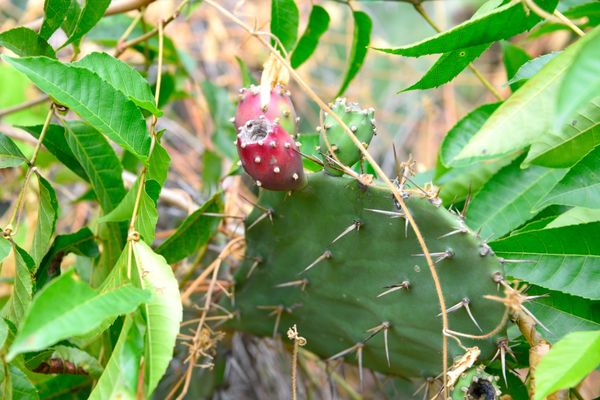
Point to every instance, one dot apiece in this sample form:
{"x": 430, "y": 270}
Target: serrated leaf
{"x": 565, "y": 259}
{"x": 514, "y": 58}
{"x": 89, "y": 16}
{"x": 10, "y": 155}
{"x": 523, "y": 117}
{"x": 56, "y": 143}
{"x": 447, "y": 67}
{"x": 576, "y": 216}
{"x": 496, "y": 24}
{"x": 193, "y": 232}
{"x": 123, "y": 78}
{"x": 530, "y": 68}
{"x": 563, "y": 313}
{"x": 55, "y": 12}
{"x": 25, "y": 42}
{"x": 580, "y": 186}
{"x": 99, "y": 161}
{"x": 463, "y": 131}
{"x": 284, "y": 22}
{"x": 19, "y": 301}
{"x": 567, "y": 363}
{"x": 47, "y": 215}
{"x": 163, "y": 312}
{"x": 582, "y": 81}
{"x": 68, "y": 307}
{"x": 107, "y": 110}
{"x": 158, "y": 166}
{"x": 496, "y": 215}
{"x": 318, "y": 23}
{"x": 82, "y": 243}
{"x": 572, "y": 143}
{"x": 120, "y": 377}
{"x": 360, "y": 42}
{"x": 147, "y": 216}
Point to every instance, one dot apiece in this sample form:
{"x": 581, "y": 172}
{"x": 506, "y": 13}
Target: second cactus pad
{"x": 335, "y": 143}
{"x": 336, "y": 258}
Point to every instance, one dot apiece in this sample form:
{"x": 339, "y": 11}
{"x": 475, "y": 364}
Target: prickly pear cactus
{"x": 476, "y": 384}
{"x": 278, "y": 109}
{"x": 337, "y": 259}
{"x": 336, "y": 144}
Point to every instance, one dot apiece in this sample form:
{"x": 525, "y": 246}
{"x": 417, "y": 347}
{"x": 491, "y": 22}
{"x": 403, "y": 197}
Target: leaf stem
{"x": 421, "y": 10}
{"x": 13, "y": 222}
{"x": 311, "y": 93}
{"x": 556, "y": 17}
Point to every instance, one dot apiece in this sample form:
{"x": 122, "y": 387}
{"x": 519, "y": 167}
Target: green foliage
{"x": 10, "y": 155}
{"x": 567, "y": 363}
{"x": 55, "y": 12}
{"x": 530, "y": 68}
{"x": 284, "y": 22}
{"x": 48, "y": 213}
{"x": 514, "y": 58}
{"x": 360, "y": 41}
{"x": 25, "y": 42}
{"x": 19, "y": 302}
{"x": 318, "y": 22}
{"x": 86, "y": 19}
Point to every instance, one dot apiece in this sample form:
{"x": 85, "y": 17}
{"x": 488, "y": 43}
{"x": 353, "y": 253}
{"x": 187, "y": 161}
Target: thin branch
{"x": 23, "y": 106}
{"x": 311, "y": 93}
{"x": 475, "y": 71}
{"x": 557, "y": 17}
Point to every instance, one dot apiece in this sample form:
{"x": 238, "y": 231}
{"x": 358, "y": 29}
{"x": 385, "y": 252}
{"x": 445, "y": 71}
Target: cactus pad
{"x": 337, "y": 259}
{"x": 476, "y": 384}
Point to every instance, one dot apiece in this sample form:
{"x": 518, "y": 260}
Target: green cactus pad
{"x": 360, "y": 121}
{"x": 339, "y": 302}
{"x": 476, "y": 384}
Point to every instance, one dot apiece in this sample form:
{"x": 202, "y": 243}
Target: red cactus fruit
{"x": 269, "y": 155}
{"x": 280, "y": 108}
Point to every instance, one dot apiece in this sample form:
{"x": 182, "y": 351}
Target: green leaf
{"x": 360, "y": 41}
{"x": 565, "y": 259}
{"x": 221, "y": 110}
{"x": 194, "y": 232}
{"x": 25, "y": 42}
{"x": 100, "y": 163}
{"x": 68, "y": 307}
{"x": 55, "y": 142}
{"x": 572, "y": 143}
{"x": 70, "y": 22}
{"x": 580, "y": 186}
{"x": 582, "y": 81}
{"x": 3, "y": 332}
{"x": 82, "y": 243}
{"x": 20, "y": 299}
{"x": 576, "y": 216}
{"x": 530, "y": 68}
{"x": 567, "y": 363}
{"x": 147, "y": 217}
{"x": 563, "y": 313}
{"x": 247, "y": 78}
{"x": 5, "y": 248}
{"x": 463, "y": 131}
{"x": 10, "y": 155}
{"x": 20, "y": 386}
{"x": 55, "y": 12}
{"x": 505, "y": 201}
{"x": 318, "y": 23}
{"x": 499, "y": 23}
{"x": 447, "y": 67}
{"x": 91, "y": 13}
{"x": 107, "y": 110}
{"x": 61, "y": 386}
{"x": 120, "y": 377}
{"x": 158, "y": 166}
{"x": 163, "y": 312}
{"x": 523, "y": 117}
{"x": 123, "y": 78}
{"x": 514, "y": 57}
{"x": 47, "y": 215}
{"x": 284, "y": 22}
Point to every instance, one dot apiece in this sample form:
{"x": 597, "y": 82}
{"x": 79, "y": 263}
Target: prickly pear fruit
{"x": 475, "y": 384}
{"x": 280, "y": 107}
{"x": 360, "y": 121}
{"x": 270, "y": 155}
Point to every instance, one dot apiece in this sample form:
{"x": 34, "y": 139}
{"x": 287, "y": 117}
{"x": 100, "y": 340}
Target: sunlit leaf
{"x": 360, "y": 41}
{"x": 89, "y": 16}
{"x": 318, "y": 22}
{"x": 514, "y": 57}
{"x": 47, "y": 215}
{"x": 10, "y": 155}
{"x": 530, "y": 68}
{"x": 284, "y": 22}
{"x": 55, "y": 12}
{"x": 25, "y": 42}
{"x": 19, "y": 301}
